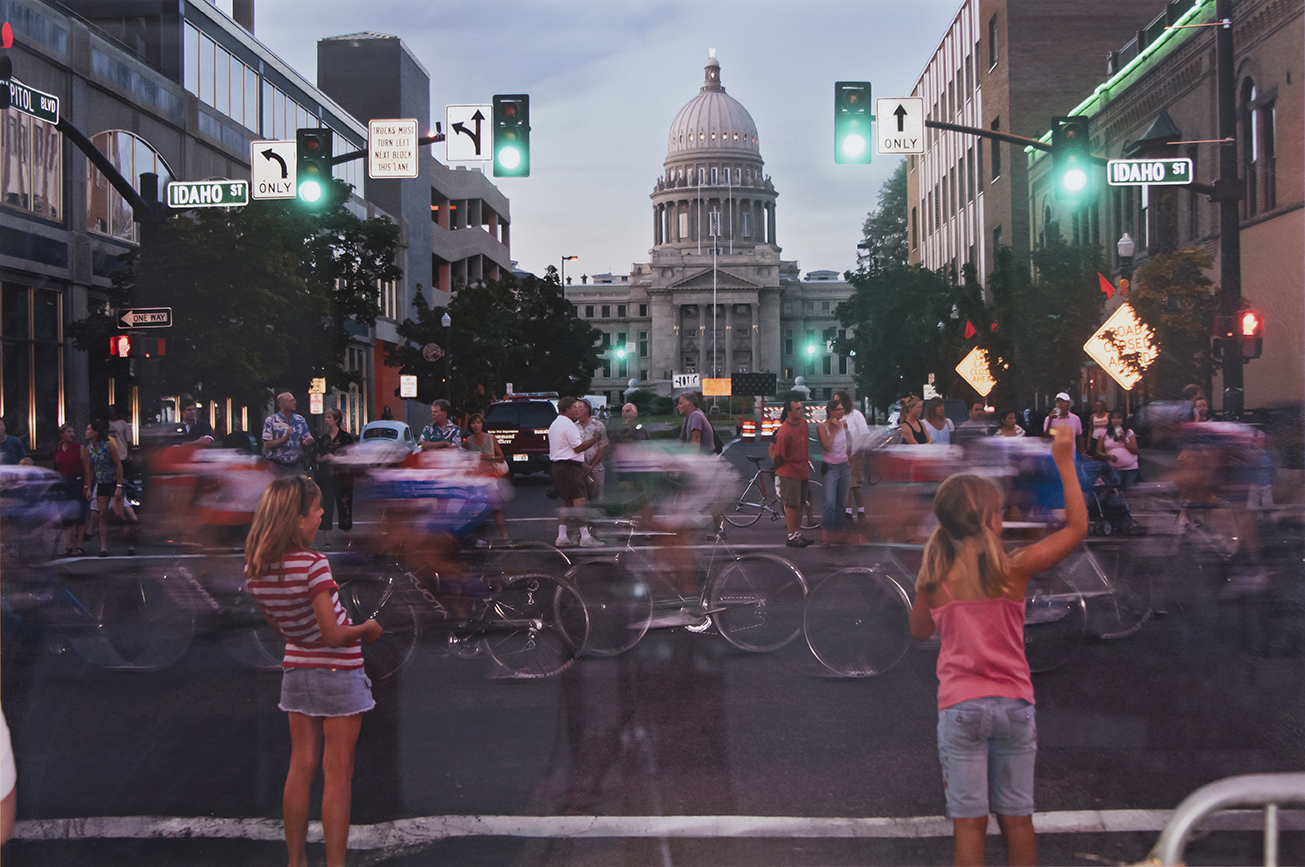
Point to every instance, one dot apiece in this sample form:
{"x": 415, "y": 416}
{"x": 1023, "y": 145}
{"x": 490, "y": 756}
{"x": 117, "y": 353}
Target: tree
{"x": 513, "y": 330}
{"x": 263, "y": 297}
{"x": 884, "y": 239}
{"x": 1174, "y": 297}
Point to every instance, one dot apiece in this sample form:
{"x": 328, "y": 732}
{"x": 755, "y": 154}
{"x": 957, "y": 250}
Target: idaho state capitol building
{"x": 714, "y": 227}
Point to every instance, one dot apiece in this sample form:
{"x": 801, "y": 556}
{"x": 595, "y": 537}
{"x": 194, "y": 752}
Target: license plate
{"x": 521, "y": 457}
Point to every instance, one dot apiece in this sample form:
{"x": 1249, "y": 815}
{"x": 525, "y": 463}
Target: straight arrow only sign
{"x": 899, "y": 125}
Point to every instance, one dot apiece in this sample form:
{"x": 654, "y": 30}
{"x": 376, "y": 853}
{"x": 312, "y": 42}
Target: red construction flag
{"x": 1106, "y": 286}
{"x": 993, "y": 328}
{"x": 970, "y": 330}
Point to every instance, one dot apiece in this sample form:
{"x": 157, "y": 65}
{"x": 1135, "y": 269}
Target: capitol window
{"x": 714, "y": 176}
{"x": 746, "y": 227}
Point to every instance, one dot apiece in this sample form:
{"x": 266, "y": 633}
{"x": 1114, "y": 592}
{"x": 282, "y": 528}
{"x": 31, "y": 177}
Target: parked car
{"x": 385, "y": 442}
{"x": 520, "y": 424}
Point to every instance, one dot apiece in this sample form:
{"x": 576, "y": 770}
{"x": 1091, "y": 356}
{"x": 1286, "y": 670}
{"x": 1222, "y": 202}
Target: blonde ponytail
{"x": 963, "y": 505}
{"x": 275, "y": 528}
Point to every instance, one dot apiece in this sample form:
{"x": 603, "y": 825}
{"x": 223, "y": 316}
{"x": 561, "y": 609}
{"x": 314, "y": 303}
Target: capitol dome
{"x": 713, "y": 120}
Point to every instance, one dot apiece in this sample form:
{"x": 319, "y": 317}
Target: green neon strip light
{"x": 1165, "y": 38}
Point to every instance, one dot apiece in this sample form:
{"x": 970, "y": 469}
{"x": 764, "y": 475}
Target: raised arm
{"x": 1045, "y": 553}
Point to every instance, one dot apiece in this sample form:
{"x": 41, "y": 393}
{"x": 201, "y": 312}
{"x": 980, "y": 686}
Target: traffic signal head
{"x": 852, "y": 135}
{"x": 120, "y": 346}
{"x": 314, "y": 150}
{"x": 1071, "y": 159}
{"x": 511, "y": 135}
{"x": 1251, "y": 327}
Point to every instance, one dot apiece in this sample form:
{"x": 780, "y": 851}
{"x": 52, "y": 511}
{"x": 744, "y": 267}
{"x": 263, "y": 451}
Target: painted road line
{"x": 426, "y": 829}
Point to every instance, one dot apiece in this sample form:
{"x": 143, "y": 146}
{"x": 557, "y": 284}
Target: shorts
{"x": 569, "y": 479}
{"x": 106, "y": 489}
{"x": 987, "y": 748}
{"x": 326, "y": 691}
{"x": 857, "y": 462}
{"x": 792, "y": 492}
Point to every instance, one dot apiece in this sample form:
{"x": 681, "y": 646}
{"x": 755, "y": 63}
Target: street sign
{"x": 752, "y": 383}
{"x": 1137, "y": 173}
{"x": 392, "y": 148}
{"x": 145, "y": 317}
{"x": 432, "y": 352}
{"x": 29, "y": 100}
{"x": 716, "y": 387}
{"x": 899, "y": 125}
{"x": 1123, "y": 334}
{"x": 273, "y": 169}
{"x": 974, "y": 370}
{"x": 184, "y": 195}
{"x": 316, "y": 404}
{"x": 470, "y": 135}
{"x": 407, "y": 385}
{"x": 685, "y": 380}
{"x": 317, "y": 385}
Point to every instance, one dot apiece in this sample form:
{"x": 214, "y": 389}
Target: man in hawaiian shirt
{"x": 440, "y": 433}
{"x": 285, "y": 434}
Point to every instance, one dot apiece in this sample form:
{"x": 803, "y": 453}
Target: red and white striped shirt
{"x": 285, "y": 591}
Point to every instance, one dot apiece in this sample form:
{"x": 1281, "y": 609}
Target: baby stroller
{"x": 1108, "y": 511}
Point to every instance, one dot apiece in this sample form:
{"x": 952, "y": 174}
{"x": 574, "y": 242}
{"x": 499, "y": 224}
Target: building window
{"x": 994, "y": 46}
{"x": 969, "y": 75}
{"x": 589, "y": 311}
{"x": 808, "y": 308}
{"x": 643, "y": 347}
{"x": 824, "y": 307}
{"x": 996, "y": 151}
{"x": 915, "y": 240}
{"x": 575, "y": 311}
{"x": 684, "y": 227}
{"x": 827, "y": 365}
{"x": 643, "y": 310}
{"x": 746, "y": 224}
{"x": 607, "y": 311}
{"x": 388, "y": 298}
{"x": 996, "y": 239}
{"x": 937, "y": 209}
{"x": 107, "y": 213}
{"x": 969, "y": 176}
{"x": 620, "y": 311}
{"x": 715, "y": 178}
{"x": 31, "y": 173}
{"x": 219, "y": 79}
{"x": 788, "y": 342}
{"x": 842, "y": 365}
{"x": 31, "y": 345}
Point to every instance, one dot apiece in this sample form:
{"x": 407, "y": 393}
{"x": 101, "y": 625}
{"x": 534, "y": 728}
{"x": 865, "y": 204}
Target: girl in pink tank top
{"x": 971, "y": 592}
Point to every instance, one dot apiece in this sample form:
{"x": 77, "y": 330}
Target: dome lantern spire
{"x": 712, "y": 74}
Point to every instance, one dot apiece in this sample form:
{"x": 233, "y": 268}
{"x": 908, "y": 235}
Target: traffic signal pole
{"x": 1229, "y": 196}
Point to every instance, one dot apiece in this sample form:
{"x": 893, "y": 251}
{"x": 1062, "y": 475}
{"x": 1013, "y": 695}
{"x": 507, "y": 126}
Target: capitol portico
{"x": 714, "y": 235}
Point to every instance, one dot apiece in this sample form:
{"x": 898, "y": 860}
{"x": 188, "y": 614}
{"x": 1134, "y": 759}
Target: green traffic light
{"x": 853, "y": 145}
{"x": 509, "y": 157}
{"x": 310, "y": 191}
{"x": 1074, "y": 180}
{"x": 811, "y": 349}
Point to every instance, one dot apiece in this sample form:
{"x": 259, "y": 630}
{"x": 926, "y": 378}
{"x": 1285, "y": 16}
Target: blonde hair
{"x": 275, "y": 528}
{"x": 964, "y": 505}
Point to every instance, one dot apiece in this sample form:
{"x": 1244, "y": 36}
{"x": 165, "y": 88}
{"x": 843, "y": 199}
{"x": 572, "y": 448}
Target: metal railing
{"x": 1251, "y": 790}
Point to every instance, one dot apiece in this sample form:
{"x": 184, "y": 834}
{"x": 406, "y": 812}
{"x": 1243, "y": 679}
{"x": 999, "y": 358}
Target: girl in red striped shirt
{"x": 323, "y": 687}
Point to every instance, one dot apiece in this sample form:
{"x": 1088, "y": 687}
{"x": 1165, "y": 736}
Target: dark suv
{"x": 520, "y": 424}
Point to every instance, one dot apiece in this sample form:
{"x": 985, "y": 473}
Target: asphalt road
{"x": 684, "y": 750}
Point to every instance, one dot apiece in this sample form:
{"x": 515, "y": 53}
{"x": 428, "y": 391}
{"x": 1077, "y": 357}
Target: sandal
{"x": 78, "y": 552}
{"x": 67, "y": 552}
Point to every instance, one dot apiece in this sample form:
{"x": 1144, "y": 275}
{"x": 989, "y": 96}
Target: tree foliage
{"x": 263, "y": 297}
{"x": 884, "y": 239}
{"x": 1176, "y": 299}
{"x": 513, "y": 330}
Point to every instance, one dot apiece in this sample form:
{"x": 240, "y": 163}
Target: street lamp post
{"x": 447, "y": 322}
{"x": 566, "y": 259}
{"x": 1126, "y": 248}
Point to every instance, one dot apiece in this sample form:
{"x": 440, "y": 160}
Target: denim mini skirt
{"x": 326, "y": 691}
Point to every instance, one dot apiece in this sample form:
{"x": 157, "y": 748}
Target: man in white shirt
{"x": 566, "y": 450}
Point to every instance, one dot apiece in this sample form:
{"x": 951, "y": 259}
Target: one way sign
{"x": 145, "y": 317}
{"x": 899, "y": 125}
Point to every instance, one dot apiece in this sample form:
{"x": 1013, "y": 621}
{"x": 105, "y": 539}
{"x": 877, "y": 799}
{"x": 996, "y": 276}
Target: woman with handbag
{"x": 492, "y": 462}
{"x": 336, "y": 484}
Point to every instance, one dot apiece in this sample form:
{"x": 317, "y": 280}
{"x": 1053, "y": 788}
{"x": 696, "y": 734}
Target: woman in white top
{"x": 1118, "y": 445}
{"x": 838, "y": 474}
{"x": 858, "y": 436}
{"x": 1099, "y": 421}
{"x": 940, "y": 426}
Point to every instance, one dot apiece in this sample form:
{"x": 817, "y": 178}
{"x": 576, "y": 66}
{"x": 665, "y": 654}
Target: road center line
{"x": 426, "y": 829}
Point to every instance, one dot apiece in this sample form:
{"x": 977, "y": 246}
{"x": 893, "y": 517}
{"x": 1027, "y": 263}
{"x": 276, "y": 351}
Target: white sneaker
{"x": 480, "y": 543}
{"x": 564, "y": 543}
{"x": 591, "y": 542}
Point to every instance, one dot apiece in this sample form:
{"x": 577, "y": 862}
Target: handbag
{"x": 824, "y": 468}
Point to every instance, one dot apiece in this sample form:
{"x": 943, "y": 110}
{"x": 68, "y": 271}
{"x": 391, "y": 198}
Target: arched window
{"x": 107, "y": 213}
{"x": 1250, "y": 145}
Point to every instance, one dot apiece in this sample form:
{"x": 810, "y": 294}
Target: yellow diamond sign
{"x": 1123, "y": 334}
{"x": 974, "y": 370}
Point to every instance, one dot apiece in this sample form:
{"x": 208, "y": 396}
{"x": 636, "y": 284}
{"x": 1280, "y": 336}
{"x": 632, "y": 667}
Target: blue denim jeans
{"x": 837, "y": 482}
{"x": 987, "y": 747}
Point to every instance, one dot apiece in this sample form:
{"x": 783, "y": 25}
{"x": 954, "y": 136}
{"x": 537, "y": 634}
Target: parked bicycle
{"x": 754, "y": 600}
{"x": 753, "y": 498}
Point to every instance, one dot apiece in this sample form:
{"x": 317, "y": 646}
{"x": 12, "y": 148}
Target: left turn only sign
{"x": 273, "y": 169}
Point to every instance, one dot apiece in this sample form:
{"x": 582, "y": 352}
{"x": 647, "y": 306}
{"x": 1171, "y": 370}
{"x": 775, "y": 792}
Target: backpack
{"x": 715, "y": 447}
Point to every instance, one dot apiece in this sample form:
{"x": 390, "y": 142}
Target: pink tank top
{"x": 982, "y": 650}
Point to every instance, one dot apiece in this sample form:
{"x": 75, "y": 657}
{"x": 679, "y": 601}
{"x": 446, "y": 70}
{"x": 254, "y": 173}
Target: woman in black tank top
{"x": 914, "y": 431}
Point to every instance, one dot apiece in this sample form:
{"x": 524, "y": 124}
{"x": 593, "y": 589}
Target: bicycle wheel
{"x": 1127, "y": 605}
{"x": 744, "y": 502}
{"x": 1055, "y": 621}
{"x": 857, "y": 622}
{"x": 505, "y": 558}
{"x": 756, "y": 602}
{"x": 367, "y": 598}
{"x": 815, "y": 506}
{"x": 536, "y": 626}
{"x": 140, "y": 626}
{"x": 619, "y": 604}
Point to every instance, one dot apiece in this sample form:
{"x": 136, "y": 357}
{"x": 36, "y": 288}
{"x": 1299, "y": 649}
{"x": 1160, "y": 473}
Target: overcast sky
{"x": 606, "y": 78}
